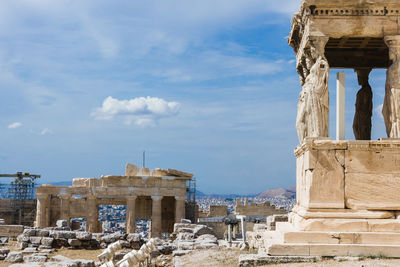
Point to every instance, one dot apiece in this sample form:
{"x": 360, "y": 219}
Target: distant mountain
{"x": 289, "y": 192}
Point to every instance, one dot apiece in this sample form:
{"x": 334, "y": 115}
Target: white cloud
{"x": 14, "y": 125}
{"x": 144, "y": 111}
{"x": 46, "y": 131}
{"x": 378, "y": 111}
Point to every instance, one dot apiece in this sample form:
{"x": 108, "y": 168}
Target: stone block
{"x": 11, "y": 230}
{"x": 42, "y": 232}
{"x": 23, "y": 238}
{"x": 60, "y": 242}
{"x": 22, "y": 245}
{"x": 62, "y": 223}
{"x": 64, "y": 234}
{"x": 4, "y": 251}
{"x": 30, "y": 250}
{"x": 131, "y": 170}
{"x": 372, "y": 191}
{"x": 202, "y": 230}
{"x": 372, "y": 161}
{"x": 111, "y": 238}
{"x": 14, "y": 256}
{"x": 184, "y": 236}
{"x": 133, "y": 237}
{"x": 35, "y": 258}
{"x": 74, "y": 242}
{"x": 332, "y": 225}
{"x": 385, "y": 225}
{"x": 325, "y": 183}
{"x": 35, "y": 239}
{"x": 247, "y": 260}
{"x": 178, "y": 226}
{"x": 181, "y": 252}
{"x": 47, "y": 241}
{"x": 29, "y": 232}
{"x": 83, "y": 235}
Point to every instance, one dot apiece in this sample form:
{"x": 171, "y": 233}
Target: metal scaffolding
{"x": 190, "y": 206}
{"x": 16, "y": 193}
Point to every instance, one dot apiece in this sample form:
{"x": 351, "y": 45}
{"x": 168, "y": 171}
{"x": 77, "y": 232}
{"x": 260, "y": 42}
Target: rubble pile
{"x": 189, "y": 237}
{"x": 48, "y": 239}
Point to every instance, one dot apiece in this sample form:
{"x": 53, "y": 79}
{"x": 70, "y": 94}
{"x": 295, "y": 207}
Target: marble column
{"x": 156, "y": 216}
{"x": 41, "y": 210}
{"x": 92, "y": 220}
{"x": 362, "y": 117}
{"x": 64, "y": 214}
{"x": 340, "y": 106}
{"x": 131, "y": 214}
{"x": 179, "y": 208}
{"x": 391, "y": 104}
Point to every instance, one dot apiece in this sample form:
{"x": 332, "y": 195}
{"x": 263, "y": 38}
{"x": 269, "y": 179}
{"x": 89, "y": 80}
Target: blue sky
{"x": 207, "y": 87}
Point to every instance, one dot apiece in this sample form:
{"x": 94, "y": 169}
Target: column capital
{"x": 131, "y": 197}
{"x": 392, "y": 41}
{"x": 42, "y": 196}
{"x": 157, "y": 197}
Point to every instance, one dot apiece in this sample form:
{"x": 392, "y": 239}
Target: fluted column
{"x": 391, "y": 104}
{"x": 179, "y": 208}
{"x": 92, "y": 221}
{"x": 131, "y": 214}
{"x": 41, "y": 210}
{"x": 65, "y": 207}
{"x": 156, "y": 217}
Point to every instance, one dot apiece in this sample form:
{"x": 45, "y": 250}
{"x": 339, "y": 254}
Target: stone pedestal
{"x": 130, "y": 215}
{"x": 179, "y": 209}
{"x": 156, "y": 216}
{"x": 347, "y": 201}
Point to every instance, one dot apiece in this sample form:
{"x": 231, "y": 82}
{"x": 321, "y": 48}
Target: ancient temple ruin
{"x": 157, "y": 194}
{"x": 348, "y": 199}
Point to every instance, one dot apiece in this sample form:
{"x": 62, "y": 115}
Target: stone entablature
{"x": 147, "y": 196}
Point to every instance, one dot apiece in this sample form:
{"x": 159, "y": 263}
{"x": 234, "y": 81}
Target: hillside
{"x": 289, "y": 192}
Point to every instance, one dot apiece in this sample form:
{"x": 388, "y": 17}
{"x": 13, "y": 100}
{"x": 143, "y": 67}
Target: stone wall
{"x": 257, "y": 209}
{"x": 10, "y": 213}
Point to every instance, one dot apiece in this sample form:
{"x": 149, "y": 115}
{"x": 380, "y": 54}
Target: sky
{"x": 207, "y": 87}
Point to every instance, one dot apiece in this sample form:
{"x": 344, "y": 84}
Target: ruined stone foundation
{"x": 348, "y": 201}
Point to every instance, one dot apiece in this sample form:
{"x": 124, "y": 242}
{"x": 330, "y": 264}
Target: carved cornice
{"x": 353, "y": 11}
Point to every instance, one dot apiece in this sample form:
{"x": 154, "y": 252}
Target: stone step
{"x": 339, "y": 238}
{"x": 331, "y": 250}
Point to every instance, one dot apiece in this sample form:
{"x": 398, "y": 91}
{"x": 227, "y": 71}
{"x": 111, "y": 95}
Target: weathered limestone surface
{"x": 320, "y": 178}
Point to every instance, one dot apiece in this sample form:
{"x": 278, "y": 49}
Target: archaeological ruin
{"x": 158, "y": 195}
{"x": 347, "y": 190}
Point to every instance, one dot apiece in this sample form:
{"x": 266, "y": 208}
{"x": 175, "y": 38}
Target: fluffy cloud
{"x": 14, "y": 125}
{"x": 144, "y": 111}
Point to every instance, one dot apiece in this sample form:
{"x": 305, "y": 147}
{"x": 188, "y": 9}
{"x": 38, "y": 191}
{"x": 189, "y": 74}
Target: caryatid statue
{"x": 313, "y": 107}
{"x": 391, "y": 104}
{"x": 362, "y": 117}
